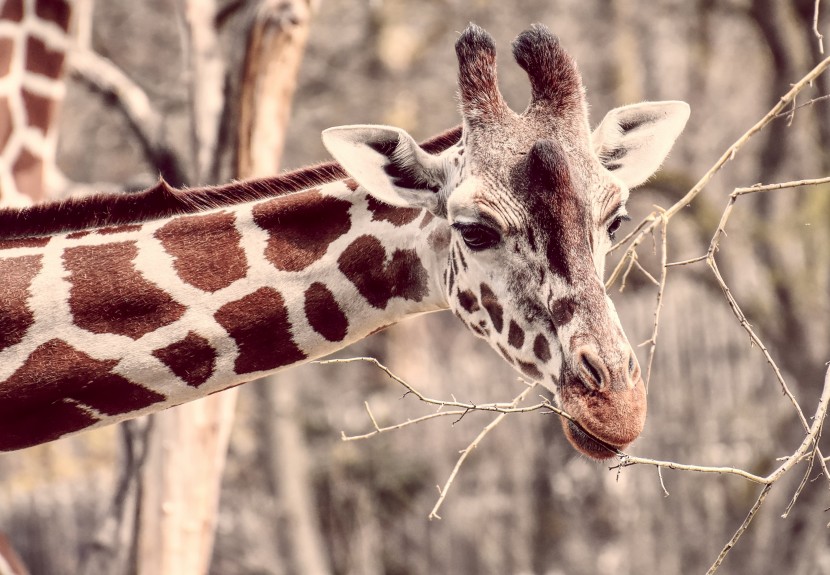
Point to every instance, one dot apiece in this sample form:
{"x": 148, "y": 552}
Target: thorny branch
{"x": 809, "y": 447}
{"x": 658, "y": 221}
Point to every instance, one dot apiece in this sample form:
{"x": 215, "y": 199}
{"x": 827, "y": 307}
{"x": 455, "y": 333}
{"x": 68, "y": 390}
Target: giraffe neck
{"x": 33, "y": 43}
{"x": 109, "y": 323}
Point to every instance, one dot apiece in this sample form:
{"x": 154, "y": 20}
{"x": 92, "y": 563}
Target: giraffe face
{"x": 532, "y": 201}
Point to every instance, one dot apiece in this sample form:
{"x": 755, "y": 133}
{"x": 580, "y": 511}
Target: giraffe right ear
{"x": 389, "y": 164}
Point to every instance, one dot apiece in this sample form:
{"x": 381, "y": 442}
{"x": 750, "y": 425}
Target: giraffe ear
{"x": 633, "y": 141}
{"x": 389, "y": 164}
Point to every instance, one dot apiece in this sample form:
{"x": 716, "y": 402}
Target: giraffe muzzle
{"x": 607, "y": 402}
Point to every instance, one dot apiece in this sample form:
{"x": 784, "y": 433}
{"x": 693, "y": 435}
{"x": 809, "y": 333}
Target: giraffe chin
{"x": 588, "y": 445}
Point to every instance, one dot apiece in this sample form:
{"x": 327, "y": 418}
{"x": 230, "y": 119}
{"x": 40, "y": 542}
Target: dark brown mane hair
{"x": 162, "y": 201}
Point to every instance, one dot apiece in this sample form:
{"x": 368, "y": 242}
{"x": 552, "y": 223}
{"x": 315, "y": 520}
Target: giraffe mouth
{"x": 587, "y": 444}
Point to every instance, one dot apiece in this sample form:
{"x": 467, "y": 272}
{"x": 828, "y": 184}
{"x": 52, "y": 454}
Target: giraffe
{"x": 117, "y": 306}
{"x": 33, "y": 42}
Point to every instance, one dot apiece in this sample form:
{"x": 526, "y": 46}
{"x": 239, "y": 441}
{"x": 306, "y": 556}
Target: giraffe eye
{"x": 477, "y": 236}
{"x": 615, "y": 225}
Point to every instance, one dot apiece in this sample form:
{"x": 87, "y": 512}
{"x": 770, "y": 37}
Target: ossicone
{"x": 481, "y": 100}
{"x": 555, "y": 84}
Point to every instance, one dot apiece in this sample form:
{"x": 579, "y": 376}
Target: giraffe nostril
{"x": 591, "y": 372}
{"x": 633, "y": 367}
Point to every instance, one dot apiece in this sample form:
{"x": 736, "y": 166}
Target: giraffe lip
{"x": 587, "y": 444}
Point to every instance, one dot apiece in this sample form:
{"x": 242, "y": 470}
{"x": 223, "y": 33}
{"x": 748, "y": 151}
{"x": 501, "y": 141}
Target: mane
{"x": 163, "y": 201}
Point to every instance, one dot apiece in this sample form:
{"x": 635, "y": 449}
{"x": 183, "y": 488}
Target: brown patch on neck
{"x": 365, "y": 264}
{"x": 530, "y": 370}
{"x": 15, "y": 316}
{"x": 515, "y": 335}
{"x": 108, "y": 295}
{"x": 490, "y": 302}
{"x": 392, "y": 214}
{"x": 541, "y": 348}
{"x": 468, "y": 301}
{"x": 259, "y": 324}
{"x": 324, "y": 314}
{"x": 38, "y": 110}
{"x": 43, "y": 399}
{"x": 301, "y": 227}
{"x": 162, "y": 201}
{"x": 192, "y": 359}
{"x": 109, "y": 230}
{"x": 57, "y": 11}
{"x": 24, "y": 243}
{"x": 206, "y": 250}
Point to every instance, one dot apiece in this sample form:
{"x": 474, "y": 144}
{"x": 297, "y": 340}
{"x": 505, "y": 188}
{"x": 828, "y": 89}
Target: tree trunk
{"x": 182, "y": 479}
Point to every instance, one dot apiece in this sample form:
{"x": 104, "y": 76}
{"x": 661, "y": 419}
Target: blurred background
{"x": 296, "y": 499}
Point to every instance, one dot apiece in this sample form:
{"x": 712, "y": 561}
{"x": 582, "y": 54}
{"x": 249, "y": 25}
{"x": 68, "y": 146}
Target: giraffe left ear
{"x": 389, "y": 163}
{"x": 632, "y": 141}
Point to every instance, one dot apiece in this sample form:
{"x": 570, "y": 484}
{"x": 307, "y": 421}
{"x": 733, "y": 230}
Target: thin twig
{"x": 810, "y": 102}
{"x": 401, "y": 425}
{"x": 801, "y": 485}
{"x": 808, "y": 444}
{"x": 661, "y": 289}
{"x": 816, "y": 32}
{"x": 442, "y": 494}
{"x": 686, "y": 262}
{"x": 733, "y": 304}
{"x": 650, "y": 222}
{"x": 780, "y": 186}
{"x": 638, "y": 234}
{"x": 645, "y": 272}
{"x": 743, "y": 527}
{"x": 643, "y": 223}
{"x": 410, "y": 390}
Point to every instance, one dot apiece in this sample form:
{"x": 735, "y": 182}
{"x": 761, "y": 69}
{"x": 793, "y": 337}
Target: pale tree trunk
{"x": 182, "y": 478}
{"x": 181, "y": 483}
{"x": 277, "y": 42}
{"x": 287, "y": 464}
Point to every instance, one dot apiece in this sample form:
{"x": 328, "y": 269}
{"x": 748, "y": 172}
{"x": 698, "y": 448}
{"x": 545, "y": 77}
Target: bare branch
{"x": 489, "y": 427}
{"x": 661, "y": 288}
{"x": 807, "y": 448}
{"x": 651, "y": 221}
{"x": 731, "y": 543}
{"x": 495, "y": 407}
{"x": 401, "y": 425}
{"x": 206, "y": 82}
{"x": 103, "y": 75}
{"x": 770, "y": 187}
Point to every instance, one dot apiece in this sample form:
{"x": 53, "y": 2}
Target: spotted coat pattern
{"x": 33, "y": 43}
{"x": 102, "y": 324}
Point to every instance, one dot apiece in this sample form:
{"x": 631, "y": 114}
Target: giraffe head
{"x": 532, "y": 201}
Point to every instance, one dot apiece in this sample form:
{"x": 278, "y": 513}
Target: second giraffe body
{"x": 113, "y": 307}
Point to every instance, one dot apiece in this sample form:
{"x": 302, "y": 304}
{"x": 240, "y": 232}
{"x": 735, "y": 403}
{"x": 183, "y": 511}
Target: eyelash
{"x": 477, "y": 236}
